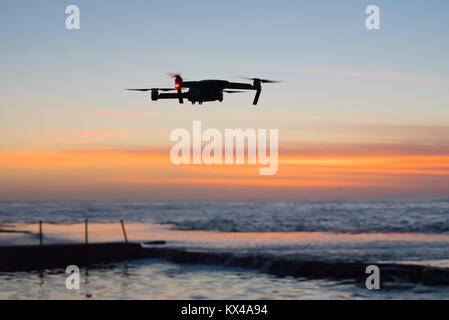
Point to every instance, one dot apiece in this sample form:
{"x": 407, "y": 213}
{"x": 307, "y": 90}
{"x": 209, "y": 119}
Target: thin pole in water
{"x": 40, "y": 233}
{"x": 124, "y": 231}
{"x": 85, "y": 228}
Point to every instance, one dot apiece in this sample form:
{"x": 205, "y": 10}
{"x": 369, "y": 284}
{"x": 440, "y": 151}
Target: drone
{"x": 205, "y": 90}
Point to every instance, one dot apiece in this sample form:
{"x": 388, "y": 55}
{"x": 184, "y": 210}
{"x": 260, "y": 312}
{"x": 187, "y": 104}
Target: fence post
{"x": 40, "y": 234}
{"x": 124, "y": 231}
{"x": 85, "y": 229}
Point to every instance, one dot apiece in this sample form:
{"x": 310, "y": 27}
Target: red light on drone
{"x": 177, "y": 85}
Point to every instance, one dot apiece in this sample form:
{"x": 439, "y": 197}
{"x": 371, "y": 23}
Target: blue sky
{"x": 133, "y": 43}
{"x": 317, "y": 48}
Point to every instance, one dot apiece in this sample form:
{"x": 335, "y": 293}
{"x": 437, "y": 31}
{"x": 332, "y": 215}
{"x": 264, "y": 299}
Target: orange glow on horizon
{"x": 155, "y": 168}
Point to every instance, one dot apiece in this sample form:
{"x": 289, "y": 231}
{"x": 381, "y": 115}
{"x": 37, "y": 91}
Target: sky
{"x": 360, "y": 113}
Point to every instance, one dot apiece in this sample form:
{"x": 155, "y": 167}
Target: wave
{"x": 389, "y": 216}
{"x": 17, "y": 258}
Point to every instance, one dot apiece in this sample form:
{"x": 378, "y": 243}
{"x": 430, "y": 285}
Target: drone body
{"x": 204, "y": 90}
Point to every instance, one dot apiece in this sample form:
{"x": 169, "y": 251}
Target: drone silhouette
{"x": 205, "y": 90}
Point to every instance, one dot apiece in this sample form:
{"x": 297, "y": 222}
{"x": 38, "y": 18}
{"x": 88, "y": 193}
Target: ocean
{"x": 261, "y": 245}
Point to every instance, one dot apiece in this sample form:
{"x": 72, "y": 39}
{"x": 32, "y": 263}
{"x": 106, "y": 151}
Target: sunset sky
{"x": 360, "y": 114}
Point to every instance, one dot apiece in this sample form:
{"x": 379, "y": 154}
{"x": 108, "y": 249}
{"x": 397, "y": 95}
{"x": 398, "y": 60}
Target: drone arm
{"x": 180, "y": 95}
{"x": 172, "y": 95}
{"x": 241, "y": 86}
{"x": 256, "y": 97}
{"x": 190, "y": 84}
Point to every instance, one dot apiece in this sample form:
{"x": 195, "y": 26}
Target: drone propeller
{"x": 261, "y": 80}
{"x": 148, "y": 89}
{"x": 257, "y": 86}
{"x": 138, "y": 89}
{"x": 173, "y": 74}
{"x": 232, "y": 91}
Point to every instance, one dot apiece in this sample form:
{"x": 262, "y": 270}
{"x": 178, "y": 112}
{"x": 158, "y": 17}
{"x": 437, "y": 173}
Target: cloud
{"x": 86, "y": 132}
{"x": 75, "y": 136}
{"x": 299, "y": 148}
{"x": 110, "y": 113}
{"x": 70, "y": 173}
{"x": 67, "y": 140}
